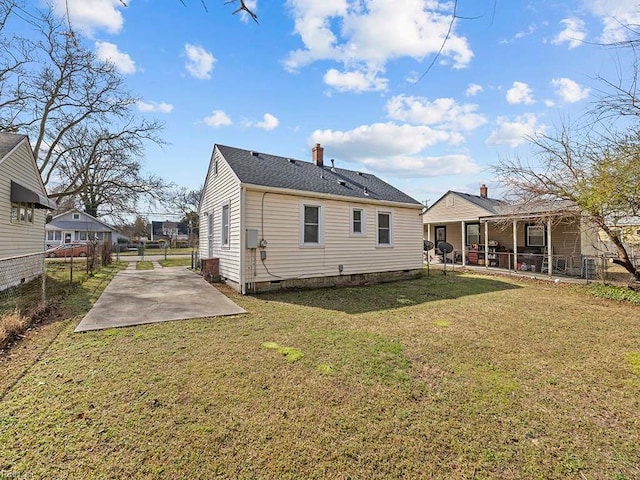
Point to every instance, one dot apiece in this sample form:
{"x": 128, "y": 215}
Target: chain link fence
{"x": 29, "y": 283}
{"x": 585, "y": 267}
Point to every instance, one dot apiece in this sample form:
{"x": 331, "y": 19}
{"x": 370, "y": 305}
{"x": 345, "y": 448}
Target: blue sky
{"x": 345, "y": 74}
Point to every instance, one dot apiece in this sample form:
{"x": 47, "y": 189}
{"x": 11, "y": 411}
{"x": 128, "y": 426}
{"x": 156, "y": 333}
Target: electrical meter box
{"x": 252, "y": 238}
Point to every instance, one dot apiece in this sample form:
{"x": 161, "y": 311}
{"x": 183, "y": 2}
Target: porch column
{"x": 462, "y": 242}
{"x": 428, "y": 231}
{"x": 549, "y": 251}
{"x": 515, "y": 245}
{"x": 486, "y": 244}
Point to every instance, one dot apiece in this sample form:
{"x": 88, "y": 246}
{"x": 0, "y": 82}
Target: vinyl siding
{"x": 220, "y": 189}
{"x": 461, "y": 209}
{"x": 277, "y": 217}
{"x": 20, "y": 238}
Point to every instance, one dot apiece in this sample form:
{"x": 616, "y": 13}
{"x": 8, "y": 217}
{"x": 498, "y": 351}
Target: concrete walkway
{"x": 136, "y": 297}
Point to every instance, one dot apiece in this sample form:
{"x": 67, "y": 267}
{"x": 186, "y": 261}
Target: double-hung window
{"x": 473, "y": 234}
{"x": 357, "y": 221}
{"x": 311, "y": 224}
{"x": 535, "y": 235}
{"x": 384, "y": 229}
{"x": 225, "y": 225}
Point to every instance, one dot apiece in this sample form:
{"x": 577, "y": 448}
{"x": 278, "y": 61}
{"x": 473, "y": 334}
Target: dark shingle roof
{"x": 492, "y": 205}
{"x": 80, "y": 225}
{"x": 8, "y": 141}
{"x": 281, "y": 172}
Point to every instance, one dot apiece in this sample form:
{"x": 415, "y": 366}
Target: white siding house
{"x": 276, "y": 222}
{"x": 23, "y": 208}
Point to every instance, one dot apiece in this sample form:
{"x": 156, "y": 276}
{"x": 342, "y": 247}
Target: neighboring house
{"x": 277, "y": 222}
{"x": 487, "y": 231}
{"x": 76, "y": 226}
{"x": 23, "y": 209}
{"x": 169, "y": 231}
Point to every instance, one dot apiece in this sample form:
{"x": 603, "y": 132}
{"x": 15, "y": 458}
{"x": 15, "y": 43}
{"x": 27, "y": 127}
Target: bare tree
{"x": 101, "y": 169}
{"x": 79, "y": 116}
{"x": 598, "y": 174}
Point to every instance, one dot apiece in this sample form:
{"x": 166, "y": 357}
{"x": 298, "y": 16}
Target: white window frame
{"x": 225, "y": 233}
{"x": 363, "y": 216}
{"x": 216, "y": 167}
{"x": 210, "y": 234}
{"x": 527, "y": 236}
{"x": 320, "y": 207}
{"x": 390, "y": 214}
{"x": 76, "y": 216}
{"x": 466, "y": 234}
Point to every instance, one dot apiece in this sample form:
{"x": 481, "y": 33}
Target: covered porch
{"x": 550, "y": 244}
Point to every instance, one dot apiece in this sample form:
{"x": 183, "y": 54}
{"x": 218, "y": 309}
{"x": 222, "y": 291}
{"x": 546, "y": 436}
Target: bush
{"x": 615, "y": 293}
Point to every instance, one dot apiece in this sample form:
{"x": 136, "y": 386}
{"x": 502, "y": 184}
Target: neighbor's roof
{"x": 281, "y": 172}
{"x": 8, "y": 142}
{"x": 492, "y": 205}
{"x": 80, "y": 226}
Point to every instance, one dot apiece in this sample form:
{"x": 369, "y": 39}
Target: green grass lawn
{"x": 144, "y": 265}
{"x": 157, "y": 251}
{"x": 176, "y": 262}
{"x": 454, "y": 377}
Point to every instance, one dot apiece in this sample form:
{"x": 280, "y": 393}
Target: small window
{"x": 76, "y": 216}
{"x": 357, "y": 221}
{"x": 22, "y": 212}
{"x": 535, "y": 236}
{"x": 450, "y": 201}
{"x": 50, "y": 235}
{"x": 225, "y": 225}
{"x": 311, "y": 224}
{"x": 473, "y": 234}
{"x": 384, "y": 228}
{"x": 82, "y": 236}
{"x": 215, "y": 166}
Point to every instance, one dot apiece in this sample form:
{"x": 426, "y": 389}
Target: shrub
{"x": 615, "y": 293}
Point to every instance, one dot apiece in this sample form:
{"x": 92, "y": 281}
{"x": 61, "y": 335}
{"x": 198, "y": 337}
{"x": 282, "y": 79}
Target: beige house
{"x": 23, "y": 208}
{"x": 276, "y": 222}
{"x": 490, "y": 232}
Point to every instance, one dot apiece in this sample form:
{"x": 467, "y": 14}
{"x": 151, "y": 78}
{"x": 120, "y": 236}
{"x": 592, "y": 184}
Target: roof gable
{"x": 85, "y": 219}
{"x": 458, "y": 206}
{"x": 280, "y": 172}
{"x": 11, "y": 142}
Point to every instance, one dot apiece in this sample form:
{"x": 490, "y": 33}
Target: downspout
{"x": 486, "y": 244}
{"x": 243, "y": 250}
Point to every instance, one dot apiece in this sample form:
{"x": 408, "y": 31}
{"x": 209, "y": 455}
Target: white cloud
{"x": 516, "y": 132}
{"x": 269, "y": 122}
{"x": 354, "y": 81}
{"x": 520, "y": 93}
{"x": 525, "y": 33}
{"x": 89, "y": 16}
{"x": 616, "y": 18}
{"x": 161, "y": 107}
{"x": 364, "y": 36}
{"x": 473, "y": 89}
{"x": 218, "y": 119}
{"x": 549, "y": 103}
{"x": 568, "y": 90}
{"x": 199, "y": 62}
{"x": 574, "y": 33}
{"x": 443, "y": 112}
{"x": 394, "y": 149}
{"x": 108, "y": 52}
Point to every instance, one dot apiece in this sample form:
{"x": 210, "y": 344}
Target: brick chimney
{"x": 483, "y": 191}
{"x": 317, "y": 155}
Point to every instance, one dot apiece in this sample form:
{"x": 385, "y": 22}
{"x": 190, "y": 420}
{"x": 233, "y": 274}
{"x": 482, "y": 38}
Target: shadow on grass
{"x": 386, "y": 296}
